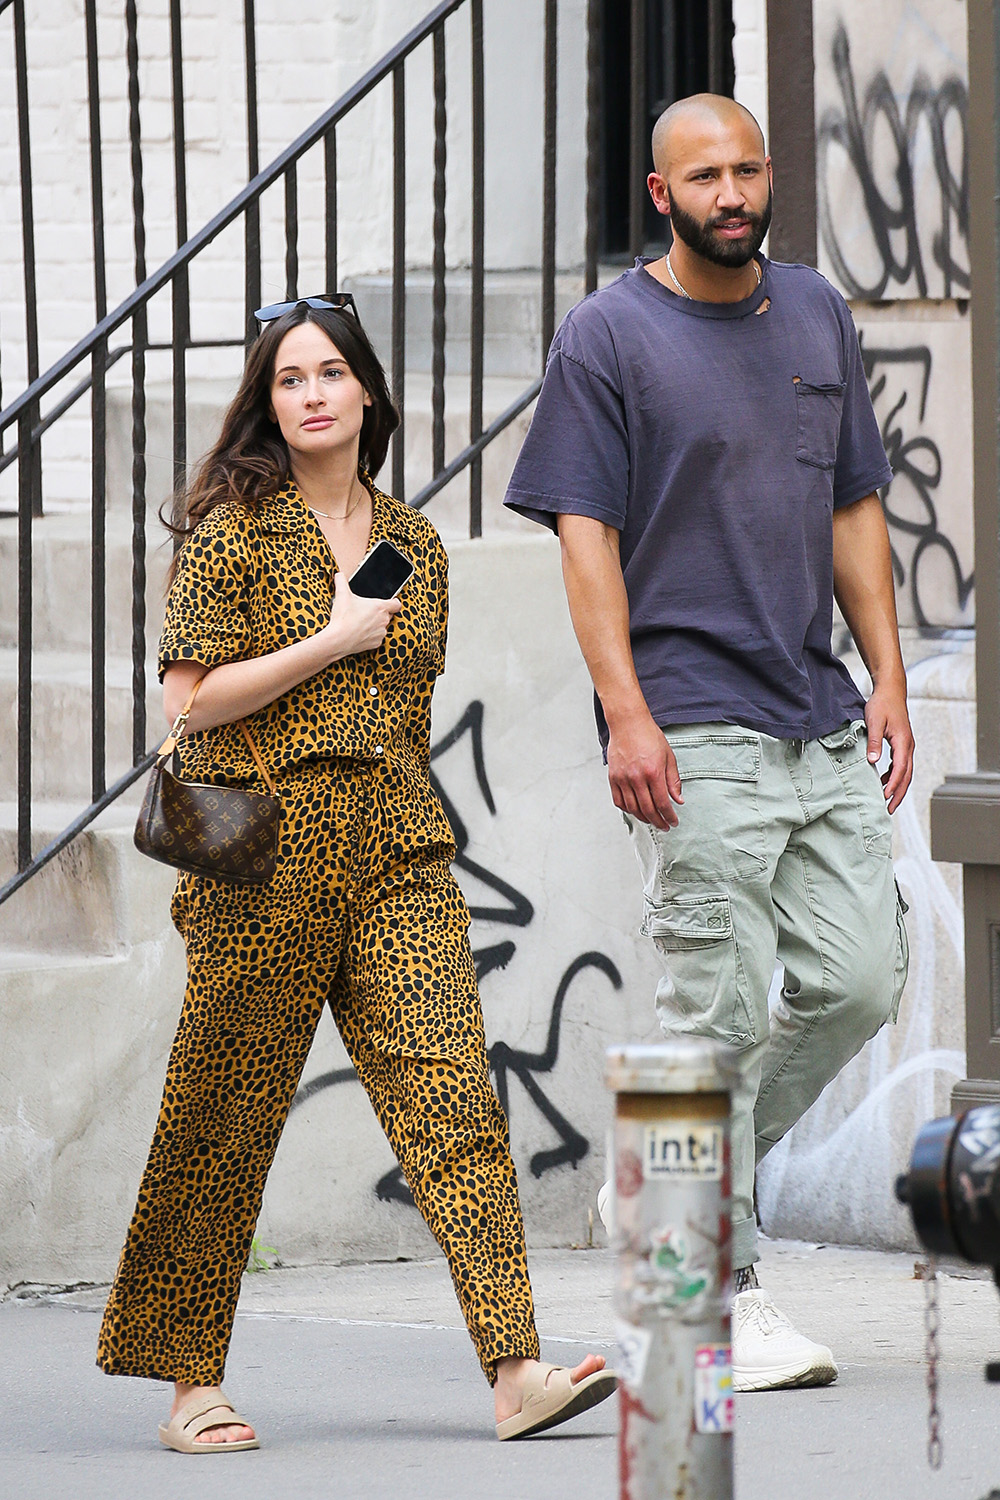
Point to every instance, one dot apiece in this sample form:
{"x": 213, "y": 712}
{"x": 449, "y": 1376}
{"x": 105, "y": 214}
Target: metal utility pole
{"x": 965, "y": 811}
{"x": 672, "y": 1237}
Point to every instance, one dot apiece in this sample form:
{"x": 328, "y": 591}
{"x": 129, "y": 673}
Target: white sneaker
{"x": 767, "y": 1351}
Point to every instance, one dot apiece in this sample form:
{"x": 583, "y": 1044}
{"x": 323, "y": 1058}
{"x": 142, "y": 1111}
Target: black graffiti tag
{"x": 506, "y": 1062}
{"x": 894, "y": 222}
{"x": 916, "y": 462}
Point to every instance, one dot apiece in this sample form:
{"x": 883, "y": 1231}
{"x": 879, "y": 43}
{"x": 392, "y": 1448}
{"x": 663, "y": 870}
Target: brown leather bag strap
{"x": 256, "y": 755}
{"x": 179, "y": 726}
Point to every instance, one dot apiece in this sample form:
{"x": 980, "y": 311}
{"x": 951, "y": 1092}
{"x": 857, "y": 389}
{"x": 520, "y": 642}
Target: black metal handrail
{"x": 94, "y": 353}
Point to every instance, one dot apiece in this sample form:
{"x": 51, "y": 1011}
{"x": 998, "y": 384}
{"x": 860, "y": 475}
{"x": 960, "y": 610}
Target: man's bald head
{"x": 687, "y": 118}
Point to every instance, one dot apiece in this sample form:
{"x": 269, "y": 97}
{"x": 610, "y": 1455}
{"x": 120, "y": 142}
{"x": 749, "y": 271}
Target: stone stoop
{"x": 449, "y": 509}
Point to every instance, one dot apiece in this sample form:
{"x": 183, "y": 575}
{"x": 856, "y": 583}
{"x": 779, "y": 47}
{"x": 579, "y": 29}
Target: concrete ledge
{"x": 965, "y": 819}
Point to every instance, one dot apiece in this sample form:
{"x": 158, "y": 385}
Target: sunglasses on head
{"x": 339, "y": 301}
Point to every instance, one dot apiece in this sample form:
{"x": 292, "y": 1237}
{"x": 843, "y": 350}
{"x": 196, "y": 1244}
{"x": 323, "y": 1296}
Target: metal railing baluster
{"x": 98, "y": 427}
{"x": 549, "y": 179}
{"x": 27, "y": 239}
{"x": 593, "y": 208}
{"x": 330, "y": 206}
{"x": 637, "y": 130}
{"x": 399, "y": 275}
{"x": 439, "y": 290}
{"x": 291, "y": 232}
{"x": 251, "y": 227}
{"x": 180, "y": 300}
{"x": 478, "y": 271}
{"x": 25, "y": 516}
{"x": 140, "y": 335}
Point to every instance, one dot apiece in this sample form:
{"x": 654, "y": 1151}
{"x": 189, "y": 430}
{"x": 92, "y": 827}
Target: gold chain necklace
{"x": 687, "y": 294}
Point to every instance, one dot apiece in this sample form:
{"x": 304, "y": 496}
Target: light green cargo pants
{"x": 782, "y": 850}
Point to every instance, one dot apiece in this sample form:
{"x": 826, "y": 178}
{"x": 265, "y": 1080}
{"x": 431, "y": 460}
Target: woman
{"x": 363, "y": 912}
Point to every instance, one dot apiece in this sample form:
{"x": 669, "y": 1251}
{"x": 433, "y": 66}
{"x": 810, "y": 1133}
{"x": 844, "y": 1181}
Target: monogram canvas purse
{"x": 228, "y": 832}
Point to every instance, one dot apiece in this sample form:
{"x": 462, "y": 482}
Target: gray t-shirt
{"x": 718, "y": 438}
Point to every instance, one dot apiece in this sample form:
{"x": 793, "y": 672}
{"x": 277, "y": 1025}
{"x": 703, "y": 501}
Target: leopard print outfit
{"x": 363, "y": 914}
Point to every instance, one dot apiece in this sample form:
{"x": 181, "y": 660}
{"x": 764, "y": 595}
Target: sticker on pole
{"x": 679, "y": 1148}
{"x": 634, "y": 1344}
{"x": 713, "y": 1388}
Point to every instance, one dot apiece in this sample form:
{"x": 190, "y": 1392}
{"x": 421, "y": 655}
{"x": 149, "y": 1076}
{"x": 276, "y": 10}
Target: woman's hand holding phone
{"x": 357, "y": 624}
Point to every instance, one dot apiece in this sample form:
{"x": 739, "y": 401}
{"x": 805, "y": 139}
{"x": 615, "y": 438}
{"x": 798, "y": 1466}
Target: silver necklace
{"x": 687, "y": 294}
{"x": 329, "y": 516}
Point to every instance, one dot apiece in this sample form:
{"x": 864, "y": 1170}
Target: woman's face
{"x": 316, "y": 399}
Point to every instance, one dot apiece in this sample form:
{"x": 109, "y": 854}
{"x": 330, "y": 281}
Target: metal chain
{"x": 932, "y": 1324}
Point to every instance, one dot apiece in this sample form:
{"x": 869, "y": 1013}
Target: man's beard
{"x": 705, "y": 240}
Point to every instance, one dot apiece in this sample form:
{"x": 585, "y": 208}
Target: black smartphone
{"x": 382, "y": 573}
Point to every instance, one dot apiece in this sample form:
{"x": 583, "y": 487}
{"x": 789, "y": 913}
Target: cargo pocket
{"x": 720, "y": 833}
{"x": 817, "y": 426}
{"x": 848, "y": 752}
{"x": 704, "y": 989}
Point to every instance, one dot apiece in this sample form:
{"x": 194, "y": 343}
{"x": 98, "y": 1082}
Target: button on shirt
{"x": 253, "y": 579}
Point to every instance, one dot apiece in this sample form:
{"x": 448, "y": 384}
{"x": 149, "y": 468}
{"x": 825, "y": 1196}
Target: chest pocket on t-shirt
{"x": 818, "y": 413}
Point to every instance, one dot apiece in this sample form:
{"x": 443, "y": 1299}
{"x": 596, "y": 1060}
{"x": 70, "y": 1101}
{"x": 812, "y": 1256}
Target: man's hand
{"x": 887, "y": 719}
{"x": 642, "y": 770}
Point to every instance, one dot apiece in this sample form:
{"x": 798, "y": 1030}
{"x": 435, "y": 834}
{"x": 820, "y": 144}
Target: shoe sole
{"x": 785, "y": 1377}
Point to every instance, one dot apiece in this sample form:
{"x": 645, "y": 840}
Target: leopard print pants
{"x": 362, "y": 916}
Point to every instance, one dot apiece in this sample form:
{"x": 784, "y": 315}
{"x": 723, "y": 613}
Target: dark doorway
{"x": 688, "y": 49}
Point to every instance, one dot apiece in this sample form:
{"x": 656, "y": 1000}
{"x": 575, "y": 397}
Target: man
{"x": 705, "y": 445}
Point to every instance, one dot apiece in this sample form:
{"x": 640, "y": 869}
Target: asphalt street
{"x": 362, "y": 1386}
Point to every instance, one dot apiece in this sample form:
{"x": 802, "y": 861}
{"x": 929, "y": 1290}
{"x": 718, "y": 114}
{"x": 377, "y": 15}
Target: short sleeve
{"x": 575, "y": 458}
{"x": 862, "y": 467}
{"x": 208, "y": 608}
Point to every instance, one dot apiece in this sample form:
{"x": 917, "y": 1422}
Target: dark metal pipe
{"x": 477, "y": 309}
{"x": 549, "y": 178}
{"x": 139, "y": 339}
{"x": 637, "y": 130}
{"x": 439, "y": 292}
{"x": 398, "y": 273}
{"x": 593, "y": 210}
{"x": 715, "y": 74}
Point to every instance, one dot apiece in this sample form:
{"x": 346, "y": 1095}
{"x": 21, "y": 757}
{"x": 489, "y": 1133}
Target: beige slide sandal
{"x": 196, "y": 1416}
{"x": 550, "y": 1397}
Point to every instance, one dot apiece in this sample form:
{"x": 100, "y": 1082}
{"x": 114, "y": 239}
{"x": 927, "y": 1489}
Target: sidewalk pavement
{"x": 362, "y": 1384}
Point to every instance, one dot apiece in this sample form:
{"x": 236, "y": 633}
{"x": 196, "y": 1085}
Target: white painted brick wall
{"x": 750, "y": 56}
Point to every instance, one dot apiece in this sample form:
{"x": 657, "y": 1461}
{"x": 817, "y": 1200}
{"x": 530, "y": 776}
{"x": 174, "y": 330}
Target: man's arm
{"x": 641, "y": 765}
{"x": 862, "y": 583}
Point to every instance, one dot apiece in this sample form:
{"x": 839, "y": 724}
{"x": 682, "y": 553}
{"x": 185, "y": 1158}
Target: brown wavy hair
{"x": 250, "y": 461}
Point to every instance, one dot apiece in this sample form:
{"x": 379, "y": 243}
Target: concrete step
{"x": 449, "y": 510}
{"x": 100, "y": 896}
{"x": 61, "y": 587}
{"x": 512, "y": 318}
{"x": 61, "y": 722}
